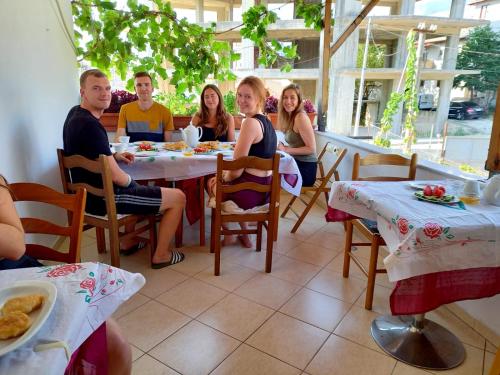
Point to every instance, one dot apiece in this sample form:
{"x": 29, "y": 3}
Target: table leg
{"x": 418, "y": 341}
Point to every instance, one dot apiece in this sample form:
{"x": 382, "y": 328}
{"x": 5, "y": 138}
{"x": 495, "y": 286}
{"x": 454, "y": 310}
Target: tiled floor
{"x": 302, "y": 318}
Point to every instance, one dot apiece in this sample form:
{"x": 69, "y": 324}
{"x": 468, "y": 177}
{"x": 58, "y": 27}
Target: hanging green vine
{"x": 408, "y": 96}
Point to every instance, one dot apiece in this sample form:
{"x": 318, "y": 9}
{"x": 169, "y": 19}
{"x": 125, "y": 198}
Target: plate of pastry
{"x": 24, "y": 308}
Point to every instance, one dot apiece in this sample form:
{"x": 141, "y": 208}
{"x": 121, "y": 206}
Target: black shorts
{"x": 138, "y": 199}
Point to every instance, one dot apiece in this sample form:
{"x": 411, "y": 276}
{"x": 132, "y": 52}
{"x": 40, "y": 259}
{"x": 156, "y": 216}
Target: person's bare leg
{"x": 173, "y": 202}
{"x": 119, "y": 353}
{"x": 245, "y": 238}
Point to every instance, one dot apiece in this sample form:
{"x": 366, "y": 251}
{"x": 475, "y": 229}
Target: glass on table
{"x": 187, "y": 151}
{"x": 454, "y": 187}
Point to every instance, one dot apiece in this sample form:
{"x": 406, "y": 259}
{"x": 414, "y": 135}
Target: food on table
{"x": 25, "y": 304}
{"x": 175, "y": 146}
{"x": 188, "y": 152}
{"x": 14, "y": 324}
{"x": 146, "y": 146}
{"x": 439, "y": 197}
{"x": 210, "y": 145}
{"x": 437, "y": 191}
{"x": 201, "y": 150}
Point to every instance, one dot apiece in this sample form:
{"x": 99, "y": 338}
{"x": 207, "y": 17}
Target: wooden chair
{"x": 111, "y": 221}
{"x": 74, "y": 204}
{"x": 321, "y": 185}
{"x": 368, "y": 228}
{"x": 268, "y": 219}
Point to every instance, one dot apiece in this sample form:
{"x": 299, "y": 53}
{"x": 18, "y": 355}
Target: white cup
{"x": 471, "y": 188}
{"x": 124, "y": 139}
{"x": 120, "y": 147}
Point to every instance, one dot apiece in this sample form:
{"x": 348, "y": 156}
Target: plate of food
{"x": 175, "y": 146}
{"x": 435, "y": 196}
{"x": 418, "y": 185}
{"x": 147, "y": 147}
{"x": 203, "y": 151}
{"x": 210, "y": 145}
{"x": 145, "y": 154}
{"x": 24, "y": 308}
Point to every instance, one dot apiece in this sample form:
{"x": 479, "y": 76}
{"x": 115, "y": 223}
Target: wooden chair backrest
{"x": 384, "y": 160}
{"x": 74, "y": 204}
{"x": 248, "y": 162}
{"x": 340, "y": 153}
{"x": 99, "y": 166}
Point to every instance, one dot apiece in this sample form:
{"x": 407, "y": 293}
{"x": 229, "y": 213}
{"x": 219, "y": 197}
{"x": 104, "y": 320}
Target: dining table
{"x": 86, "y": 295}
{"x": 438, "y": 252}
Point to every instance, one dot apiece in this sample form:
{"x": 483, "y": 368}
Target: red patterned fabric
{"x": 424, "y": 293}
{"x": 338, "y": 215}
{"x": 92, "y": 356}
{"x": 193, "y": 205}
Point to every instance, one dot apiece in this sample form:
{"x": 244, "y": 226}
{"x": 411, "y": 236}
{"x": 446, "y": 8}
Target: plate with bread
{"x": 24, "y": 308}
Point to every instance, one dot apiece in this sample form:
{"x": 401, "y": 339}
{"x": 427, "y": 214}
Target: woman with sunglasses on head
{"x": 299, "y": 133}
{"x": 217, "y": 124}
{"x": 257, "y": 138}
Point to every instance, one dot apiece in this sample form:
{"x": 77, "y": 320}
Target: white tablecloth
{"x": 174, "y": 166}
{"x": 87, "y": 294}
{"x": 423, "y": 237}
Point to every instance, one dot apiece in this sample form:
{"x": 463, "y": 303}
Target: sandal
{"x": 177, "y": 257}
{"x": 133, "y": 249}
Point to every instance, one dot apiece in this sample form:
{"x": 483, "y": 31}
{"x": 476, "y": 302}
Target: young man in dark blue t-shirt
{"x": 84, "y": 135}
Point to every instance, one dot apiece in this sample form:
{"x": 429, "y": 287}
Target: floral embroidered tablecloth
{"x": 87, "y": 295}
{"x": 422, "y": 237}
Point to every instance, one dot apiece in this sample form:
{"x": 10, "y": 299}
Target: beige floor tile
{"x": 159, "y": 281}
{"x": 381, "y": 297}
{"x": 305, "y": 230}
{"x": 356, "y": 326}
{"x": 285, "y": 243}
{"x": 252, "y": 259}
{"x": 473, "y": 364}
{"x": 136, "y": 353}
{"x": 236, "y": 316}
{"x": 313, "y": 254}
{"x": 458, "y": 327}
{"x": 490, "y": 347}
{"x": 488, "y": 362}
{"x": 133, "y": 303}
{"x": 316, "y": 309}
{"x": 195, "y": 261}
{"x": 294, "y": 271}
{"x": 331, "y": 241}
{"x": 337, "y": 265}
{"x": 195, "y": 349}
{"x": 404, "y": 369}
{"x": 267, "y": 290}
{"x": 336, "y": 228}
{"x": 231, "y": 276}
{"x": 249, "y": 361}
{"x": 333, "y": 284}
{"x": 147, "y": 365}
{"x": 191, "y": 297}
{"x": 339, "y": 356}
{"x": 151, "y": 323}
{"x": 288, "y": 339}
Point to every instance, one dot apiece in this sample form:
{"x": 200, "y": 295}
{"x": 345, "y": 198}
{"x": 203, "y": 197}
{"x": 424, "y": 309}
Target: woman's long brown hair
{"x": 285, "y": 119}
{"x": 221, "y": 114}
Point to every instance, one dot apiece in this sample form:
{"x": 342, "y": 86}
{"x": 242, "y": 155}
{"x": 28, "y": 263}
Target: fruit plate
{"x": 38, "y": 317}
{"x": 445, "y": 199}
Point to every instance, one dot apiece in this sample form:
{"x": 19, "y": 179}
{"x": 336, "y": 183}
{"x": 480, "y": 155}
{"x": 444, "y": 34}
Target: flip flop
{"x": 134, "y": 249}
{"x": 177, "y": 257}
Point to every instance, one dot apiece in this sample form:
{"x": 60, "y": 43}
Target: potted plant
{"x": 271, "y": 109}
{"x": 232, "y": 108}
{"x": 109, "y": 119}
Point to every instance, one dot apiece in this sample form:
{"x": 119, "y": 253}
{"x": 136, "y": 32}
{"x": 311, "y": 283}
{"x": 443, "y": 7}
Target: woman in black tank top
{"x": 217, "y": 124}
{"x": 257, "y": 138}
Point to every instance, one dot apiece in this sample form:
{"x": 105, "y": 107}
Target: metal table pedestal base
{"x": 418, "y": 341}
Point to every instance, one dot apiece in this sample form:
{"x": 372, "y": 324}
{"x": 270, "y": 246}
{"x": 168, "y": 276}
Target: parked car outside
{"x": 465, "y": 110}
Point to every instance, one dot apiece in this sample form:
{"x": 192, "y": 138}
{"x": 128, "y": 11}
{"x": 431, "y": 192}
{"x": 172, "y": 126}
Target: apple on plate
{"x": 428, "y": 190}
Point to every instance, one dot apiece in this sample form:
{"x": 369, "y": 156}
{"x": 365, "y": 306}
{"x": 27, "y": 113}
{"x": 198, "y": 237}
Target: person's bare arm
{"x": 167, "y": 135}
{"x": 118, "y": 176}
{"x": 12, "y": 244}
{"x": 119, "y": 132}
{"x": 230, "y": 129}
{"x": 249, "y": 133}
{"x": 303, "y": 127}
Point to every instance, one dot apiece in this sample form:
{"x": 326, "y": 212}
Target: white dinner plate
{"x": 142, "y": 154}
{"x": 38, "y": 317}
{"x": 418, "y": 185}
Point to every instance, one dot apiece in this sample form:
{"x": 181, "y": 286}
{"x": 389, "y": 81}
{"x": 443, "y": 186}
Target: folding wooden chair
{"x": 111, "y": 221}
{"x": 267, "y": 219}
{"x": 74, "y": 204}
{"x": 321, "y": 185}
{"x": 368, "y": 228}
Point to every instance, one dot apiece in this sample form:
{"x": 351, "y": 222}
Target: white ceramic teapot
{"x": 491, "y": 192}
{"x": 191, "y": 135}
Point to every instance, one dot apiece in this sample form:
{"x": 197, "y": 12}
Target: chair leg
{"x": 217, "y": 246}
{"x": 114, "y": 247}
{"x": 269, "y": 247}
{"x": 347, "y": 248}
{"x": 202, "y": 211}
{"x": 372, "y": 272}
{"x": 306, "y": 211}
{"x": 288, "y": 206}
{"x": 101, "y": 240}
{"x": 212, "y": 232}
{"x": 259, "y": 236}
